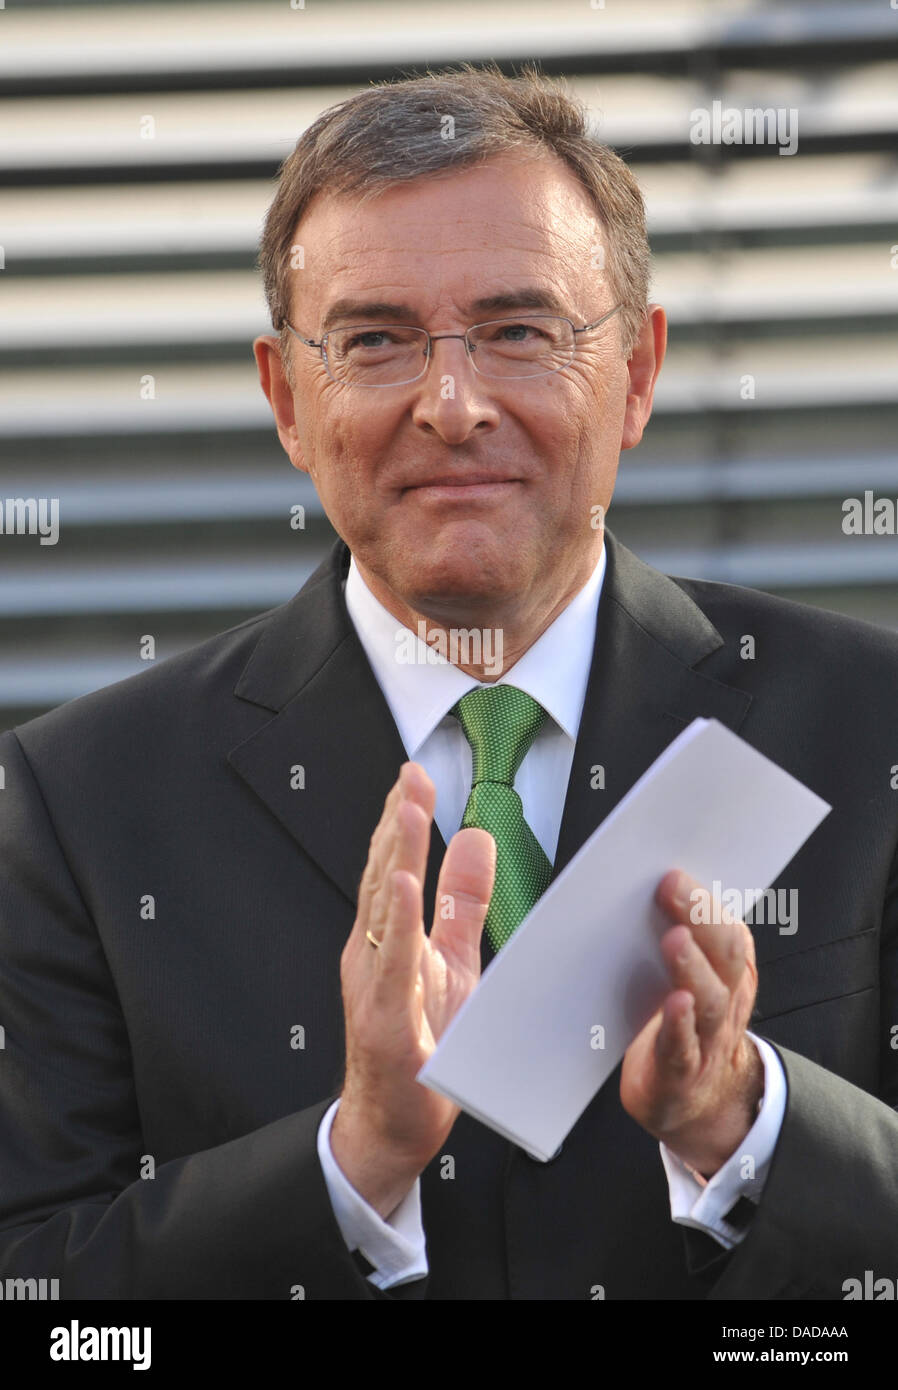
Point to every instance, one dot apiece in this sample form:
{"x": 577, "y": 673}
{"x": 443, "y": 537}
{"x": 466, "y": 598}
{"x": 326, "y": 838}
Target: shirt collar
{"x": 420, "y": 693}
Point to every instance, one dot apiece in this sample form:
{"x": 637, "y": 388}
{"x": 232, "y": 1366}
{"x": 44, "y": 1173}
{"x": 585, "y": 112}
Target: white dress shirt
{"x": 419, "y": 693}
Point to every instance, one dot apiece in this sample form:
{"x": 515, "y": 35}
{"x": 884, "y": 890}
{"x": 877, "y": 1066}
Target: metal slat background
{"x": 128, "y": 257}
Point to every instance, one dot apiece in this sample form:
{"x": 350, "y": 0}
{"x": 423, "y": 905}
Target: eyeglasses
{"x": 379, "y": 354}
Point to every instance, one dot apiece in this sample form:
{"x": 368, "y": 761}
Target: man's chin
{"x": 446, "y": 592}
{"x": 446, "y": 576}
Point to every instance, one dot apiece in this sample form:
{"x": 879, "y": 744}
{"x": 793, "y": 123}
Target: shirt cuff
{"x": 708, "y": 1204}
{"x": 396, "y": 1247}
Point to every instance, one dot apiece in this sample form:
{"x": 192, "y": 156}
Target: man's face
{"x": 462, "y": 495}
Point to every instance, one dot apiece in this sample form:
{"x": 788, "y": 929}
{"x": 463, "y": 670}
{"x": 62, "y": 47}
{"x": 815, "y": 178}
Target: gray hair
{"x": 389, "y": 134}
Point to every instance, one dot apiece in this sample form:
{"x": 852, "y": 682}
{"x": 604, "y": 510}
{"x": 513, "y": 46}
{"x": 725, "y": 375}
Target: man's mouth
{"x": 462, "y": 484}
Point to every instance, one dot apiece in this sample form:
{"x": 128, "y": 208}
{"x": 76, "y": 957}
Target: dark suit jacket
{"x": 173, "y": 905}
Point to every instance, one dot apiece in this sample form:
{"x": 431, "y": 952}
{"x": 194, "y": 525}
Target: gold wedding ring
{"x": 373, "y": 939}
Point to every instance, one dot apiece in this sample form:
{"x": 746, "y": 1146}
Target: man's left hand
{"x": 692, "y": 1077}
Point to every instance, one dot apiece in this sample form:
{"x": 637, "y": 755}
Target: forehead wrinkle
{"x": 571, "y": 226}
{"x": 435, "y": 207}
{"x": 561, "y": 258}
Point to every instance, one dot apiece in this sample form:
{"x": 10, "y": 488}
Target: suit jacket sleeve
{"x": 829, "y": 1209}
{"x": 249, "y": 1219}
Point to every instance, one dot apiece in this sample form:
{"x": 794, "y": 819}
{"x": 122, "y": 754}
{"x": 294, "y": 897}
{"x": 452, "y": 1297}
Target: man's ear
{"x": 643, "y": 367}
{"x": 267, "y": 352}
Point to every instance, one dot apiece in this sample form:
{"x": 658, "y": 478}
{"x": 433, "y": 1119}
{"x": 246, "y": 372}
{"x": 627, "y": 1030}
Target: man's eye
{"x": 516, "y": 332}
{"x": 364, "y": 340}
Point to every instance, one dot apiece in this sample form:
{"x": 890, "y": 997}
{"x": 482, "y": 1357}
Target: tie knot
{"x": 500, "y": 722}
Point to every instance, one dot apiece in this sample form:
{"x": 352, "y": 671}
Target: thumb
{"x": 463, "y": 895}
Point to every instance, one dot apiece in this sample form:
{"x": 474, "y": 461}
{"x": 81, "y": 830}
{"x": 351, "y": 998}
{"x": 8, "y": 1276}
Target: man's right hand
{"x": 399, "y": 997}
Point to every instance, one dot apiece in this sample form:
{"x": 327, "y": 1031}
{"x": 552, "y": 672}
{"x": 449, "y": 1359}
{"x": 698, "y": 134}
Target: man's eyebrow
{"x": 350, "y": 310}
{"x": 365, "y": 311}
{"x": 532, "y": 297}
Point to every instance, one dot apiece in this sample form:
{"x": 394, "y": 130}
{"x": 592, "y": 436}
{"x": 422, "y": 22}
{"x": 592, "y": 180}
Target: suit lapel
{"x": 642, "y": 690}
{"x": 331, "y": 720}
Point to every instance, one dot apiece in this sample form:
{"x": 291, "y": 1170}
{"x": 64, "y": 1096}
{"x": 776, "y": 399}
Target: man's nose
{"x": 452, "y": 399}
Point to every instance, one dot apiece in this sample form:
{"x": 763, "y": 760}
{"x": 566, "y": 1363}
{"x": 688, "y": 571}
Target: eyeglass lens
{"x": 390, "y": 354}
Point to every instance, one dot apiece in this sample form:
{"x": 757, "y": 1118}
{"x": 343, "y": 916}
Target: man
{"x": 198, "y": 861}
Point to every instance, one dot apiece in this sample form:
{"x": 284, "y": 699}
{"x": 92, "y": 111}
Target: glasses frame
{"x": 432, "y": 338}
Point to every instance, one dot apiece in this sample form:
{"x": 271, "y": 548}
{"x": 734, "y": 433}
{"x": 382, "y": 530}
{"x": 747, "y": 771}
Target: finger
{"x": 691, "y": 970}
{"x": 726, "y": 942}
{"x": 463, "y": 896}
{"x": 414, "y": 784}
{"x": 406, "y": 839}
{"x": 405, "y": 854}
{"x": 678, "y": 1054}
{"x": 397, "y": 907}
{"x": 397, "y": 960}
{"x": 375, "y": 865}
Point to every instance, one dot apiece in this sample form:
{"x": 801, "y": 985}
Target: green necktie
{"x": 500, "y": 722}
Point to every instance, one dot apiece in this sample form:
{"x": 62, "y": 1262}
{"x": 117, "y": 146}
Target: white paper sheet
{"x": 522, "y": 1053}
